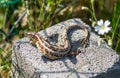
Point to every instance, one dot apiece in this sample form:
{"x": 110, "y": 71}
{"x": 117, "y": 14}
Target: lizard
{"x": 55, "y": 52}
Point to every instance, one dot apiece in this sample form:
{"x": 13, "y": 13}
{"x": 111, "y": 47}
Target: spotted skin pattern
{"x": 54, "y": 52}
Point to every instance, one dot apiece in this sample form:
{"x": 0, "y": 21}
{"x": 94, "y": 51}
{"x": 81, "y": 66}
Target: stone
{"x": 94, "y": 61}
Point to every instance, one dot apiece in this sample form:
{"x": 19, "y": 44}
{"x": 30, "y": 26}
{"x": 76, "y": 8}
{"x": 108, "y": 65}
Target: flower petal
{"x": 107, "y": 29}
{"x": 100, "y": 22}
{"x": 107, "y": 23}
{"x": 101, "y": 32}
{"x": 97, "y": 28}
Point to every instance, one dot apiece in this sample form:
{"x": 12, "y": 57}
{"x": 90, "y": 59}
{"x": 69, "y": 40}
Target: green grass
{"x": 116, "y": 27}
{"x": 114, "y": 35}
{"x": 42, "y": 14}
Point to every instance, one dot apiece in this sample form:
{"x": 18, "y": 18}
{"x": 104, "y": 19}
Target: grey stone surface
{"x": 93, "y": 62}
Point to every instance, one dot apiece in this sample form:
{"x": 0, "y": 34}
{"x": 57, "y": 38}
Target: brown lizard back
{"x": 55, "y": 52}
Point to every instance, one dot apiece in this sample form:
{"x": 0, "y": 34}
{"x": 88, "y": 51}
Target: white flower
{"x": 102, "y": 27}
{"x": 84, "y": 8}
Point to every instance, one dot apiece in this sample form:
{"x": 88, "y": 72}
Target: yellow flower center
{"x": 103, "y": 27}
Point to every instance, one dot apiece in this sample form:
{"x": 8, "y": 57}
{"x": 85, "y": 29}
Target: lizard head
{"x": 31, "y": 35}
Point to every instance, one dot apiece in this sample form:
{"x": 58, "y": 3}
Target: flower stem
{"x": 93, "y": 10}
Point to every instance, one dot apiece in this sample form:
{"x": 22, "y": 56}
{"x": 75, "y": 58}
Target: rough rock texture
{"x": 93, "y": 62}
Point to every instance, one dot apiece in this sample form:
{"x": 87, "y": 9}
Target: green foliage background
{"x": 41, "y": 14}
